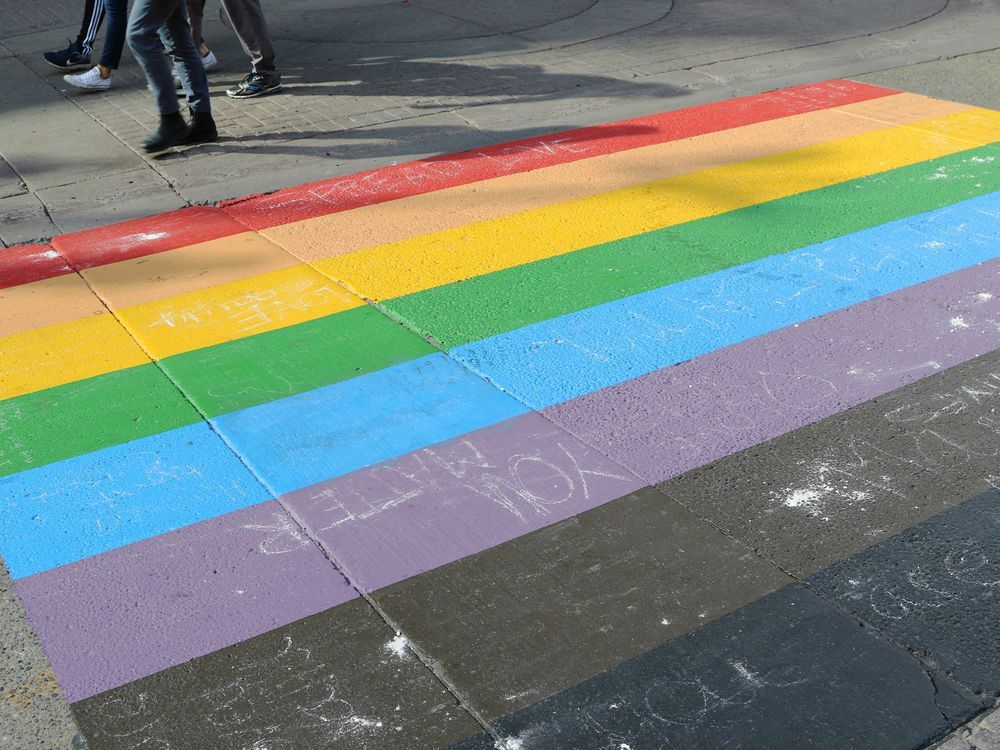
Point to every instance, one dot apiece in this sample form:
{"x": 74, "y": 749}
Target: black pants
{"x": 93, "y": 16}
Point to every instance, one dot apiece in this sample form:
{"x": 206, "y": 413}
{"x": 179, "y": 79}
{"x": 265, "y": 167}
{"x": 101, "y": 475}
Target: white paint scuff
{"x": 821, "y": 490}
{"x": 398, "y": 646}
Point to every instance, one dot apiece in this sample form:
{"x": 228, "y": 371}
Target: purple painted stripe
{"x": 436, "y": 505}
{"x": 127, "y": 613}
{"x": 676, "y": 419}
{"x": 113, "y": 618}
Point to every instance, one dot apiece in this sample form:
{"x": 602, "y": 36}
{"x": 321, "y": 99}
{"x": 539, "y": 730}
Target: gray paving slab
{"x": 973, "y": 79}
{"x": 25, "y": 18}
{"x": 487, "y": 72}
{"x": 929, "y": 584}
{"x": 365, "y": 101}
{"x": 49, "y": 142}
{"x": 555, "y": 607}
{"x": 982, "y": 733}
{"x": 33, "y": 715}
{"x": 819, "y": 494}
{"x": 110, "y": 198}
{"x": 23, "y": 220}
{"x": 339, "y": 680}
{"x": 787, "y": 671}
{"x": 10, "y": 182}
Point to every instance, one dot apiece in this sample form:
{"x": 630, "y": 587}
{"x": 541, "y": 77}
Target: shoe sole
{"x": 254, "y": 96}
{"x": 79, "y": 66}
{"x": 88, "y": 88}
{"x": 198, "y": 140}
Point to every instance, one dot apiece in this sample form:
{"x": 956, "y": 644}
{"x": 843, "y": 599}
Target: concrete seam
{"x": 429, "y": 664}
{"x": 866, "y": 35}
{"x": 765, "y": 558}
{"x": 432, "y": 665}
{"x": 928, "y": 669}
{"x": 146, "y": 162}
{"x": 670, "y": 9}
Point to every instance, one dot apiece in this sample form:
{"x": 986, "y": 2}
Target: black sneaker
{"x": 71, "y": 58}
{"x": 254, "y": 84}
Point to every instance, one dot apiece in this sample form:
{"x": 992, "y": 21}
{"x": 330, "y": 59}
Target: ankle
{"x": 105, "y": 72}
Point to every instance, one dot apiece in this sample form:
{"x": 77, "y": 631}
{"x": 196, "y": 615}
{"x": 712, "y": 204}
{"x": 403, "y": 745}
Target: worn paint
{"x": 671, "y": 290}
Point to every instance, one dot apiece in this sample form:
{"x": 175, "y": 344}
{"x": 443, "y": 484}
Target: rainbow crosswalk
{"x": 391, "y": 396}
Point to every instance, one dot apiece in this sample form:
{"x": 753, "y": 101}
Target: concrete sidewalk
{"x": 369, "y": 82}
{"x": 372, "y": 83}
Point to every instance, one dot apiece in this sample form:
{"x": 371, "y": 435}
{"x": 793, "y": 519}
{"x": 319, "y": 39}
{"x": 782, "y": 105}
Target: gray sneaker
{"x": 255, "y": 84}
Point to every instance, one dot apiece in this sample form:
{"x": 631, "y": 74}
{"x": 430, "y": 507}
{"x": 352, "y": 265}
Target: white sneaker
{"x": 90, "y": 80}
{"x": 208, "y": 61}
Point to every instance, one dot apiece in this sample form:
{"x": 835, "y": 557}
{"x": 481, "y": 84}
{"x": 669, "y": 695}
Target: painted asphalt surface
{"x": 679, "y": 431}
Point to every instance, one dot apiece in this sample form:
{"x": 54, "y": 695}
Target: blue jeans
{"x": 153, "y": 22}
{"x": 116, "y": 12}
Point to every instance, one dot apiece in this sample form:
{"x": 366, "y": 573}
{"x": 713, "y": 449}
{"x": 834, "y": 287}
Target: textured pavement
{"x": 817, "y": 461}
{"x": 555, "y": 463}
{"x": 369, "y": 83}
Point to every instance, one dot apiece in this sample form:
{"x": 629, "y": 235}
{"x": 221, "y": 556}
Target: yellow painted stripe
{"x": 235, "y": 310}
{"x": 50, "y": 356}
{"x": 64, "y": 352}
{"x": 45, "y": 357}
{"x": 399, "y": 268}
{"x": 393, "y": 221}
{"x": 975, "y": 124}
{"x": 207, "y": 264}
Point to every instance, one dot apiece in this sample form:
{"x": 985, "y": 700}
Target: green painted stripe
{"x": 80, "y": 417}
{"x": 87, "y": 415}
{"x": 484, "y": 306}
{"x": 272, "y": 365}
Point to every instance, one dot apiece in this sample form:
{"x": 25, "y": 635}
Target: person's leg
{"x": 77, "y": 54}
{"x": 114, "y": 35}
{"x": 248, "y": 22}
{"x": 93, "y": 16}
{"x": 196, "y": 15}
{"x": 189, "y": 67}
{"x": 98, "y": 78}
{"x": 143, "y": 38}
{"x": 179, "y": 43}
{"x": 147, "y": 20}
{"x": 247, "y": 19}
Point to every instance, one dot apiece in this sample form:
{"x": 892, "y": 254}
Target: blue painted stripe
{"x": 89, "y": 504}
{"x": 562, "y": 358}
{"x": 304, "y": 439}
{"x": 82, "y": 506}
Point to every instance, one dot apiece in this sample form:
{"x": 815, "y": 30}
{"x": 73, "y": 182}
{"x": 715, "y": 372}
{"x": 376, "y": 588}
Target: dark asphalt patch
{"x": 788, "y": 671}
{"x": 541, "y": 613}
{"x": 337, "y": 680}
{"x": 935, "y": 589}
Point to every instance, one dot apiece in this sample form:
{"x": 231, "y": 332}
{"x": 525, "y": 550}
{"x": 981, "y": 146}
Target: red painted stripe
{"x": 146, "y": 236}
{"x": 27, "y": 263}
{"x": 154, "y": 234}
{"x": 427, "y": 175}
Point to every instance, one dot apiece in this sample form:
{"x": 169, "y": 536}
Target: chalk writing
{"x": 281, "y": 536}
{"x": 253, "y": 309}
{"x": 524, "y": 484}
